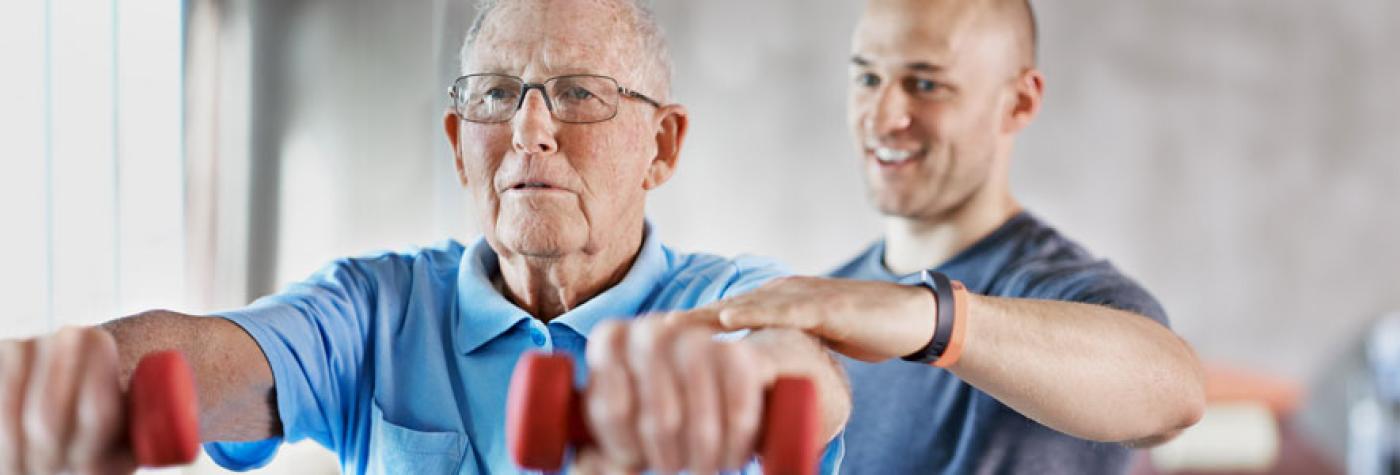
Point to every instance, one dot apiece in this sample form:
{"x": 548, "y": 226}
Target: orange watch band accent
{"x": 955, "y": 344}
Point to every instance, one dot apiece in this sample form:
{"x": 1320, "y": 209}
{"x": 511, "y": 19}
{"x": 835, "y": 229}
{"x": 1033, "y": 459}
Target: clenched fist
{"x": 61, "y": 405}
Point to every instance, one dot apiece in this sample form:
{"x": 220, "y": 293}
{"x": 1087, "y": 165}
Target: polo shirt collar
{"x": 484, "y": 313}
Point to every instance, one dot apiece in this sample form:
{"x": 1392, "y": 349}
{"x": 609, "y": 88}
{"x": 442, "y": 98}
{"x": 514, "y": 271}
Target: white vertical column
{"x": 24, "y": 282}
{"x": 150, "y": 173}
{"x": 82, "y": 139}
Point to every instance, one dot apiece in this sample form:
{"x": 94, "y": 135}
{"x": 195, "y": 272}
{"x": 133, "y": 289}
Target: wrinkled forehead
{"x": 540, "y": 39}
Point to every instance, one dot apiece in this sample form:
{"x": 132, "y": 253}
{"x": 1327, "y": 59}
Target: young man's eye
{"x": 924, "y": 86}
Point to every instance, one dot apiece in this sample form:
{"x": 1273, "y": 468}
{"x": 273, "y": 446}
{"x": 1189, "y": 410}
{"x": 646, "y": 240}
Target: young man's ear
{"x": 452, "y": 124}
{"x": 673, "y": 121}
{"x": 1025, "y": 105}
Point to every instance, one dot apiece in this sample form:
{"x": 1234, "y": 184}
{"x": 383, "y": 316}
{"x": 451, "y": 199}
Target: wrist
{"x": 945, "y": 346}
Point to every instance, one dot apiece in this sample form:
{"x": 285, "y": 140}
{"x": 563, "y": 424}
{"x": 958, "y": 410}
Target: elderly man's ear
{"x": 672, "y": 121}
{"x": 451, "y": 123}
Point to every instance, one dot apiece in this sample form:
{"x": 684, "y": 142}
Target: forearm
{"x": 232, "y": 378}
{"x": 1090, "y": 371}
{"x": 794, "y": 353}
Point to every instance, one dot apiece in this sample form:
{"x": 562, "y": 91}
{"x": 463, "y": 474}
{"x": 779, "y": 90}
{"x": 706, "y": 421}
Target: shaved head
{"x": 1019, "y": 16}
{"x": 939, "y": 90}
{"x": 1013, "y": 20}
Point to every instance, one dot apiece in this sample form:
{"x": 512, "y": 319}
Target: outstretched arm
{"x": 1090, "y": 371}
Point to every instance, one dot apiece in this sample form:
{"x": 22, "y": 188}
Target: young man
{"x": 1064, "y": 362}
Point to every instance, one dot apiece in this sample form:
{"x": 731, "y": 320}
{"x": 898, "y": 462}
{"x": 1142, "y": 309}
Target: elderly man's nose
{"x": 889, "y": 113}
{"x": 534, "y": 127}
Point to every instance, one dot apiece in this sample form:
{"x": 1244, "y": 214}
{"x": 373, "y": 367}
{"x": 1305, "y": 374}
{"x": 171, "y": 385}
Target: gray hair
{"x": 641, "y": 18}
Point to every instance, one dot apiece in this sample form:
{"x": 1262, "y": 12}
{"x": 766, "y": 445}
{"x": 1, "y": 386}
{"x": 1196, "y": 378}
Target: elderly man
{"x": 1046, "y": 357}
{"x": 399, "y": 362}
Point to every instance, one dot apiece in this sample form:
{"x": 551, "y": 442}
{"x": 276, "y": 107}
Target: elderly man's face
{"x": 550, "y": 188}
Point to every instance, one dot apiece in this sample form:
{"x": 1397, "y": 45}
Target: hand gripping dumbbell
{"x": 162, "y": 415}
{"x": 544, "y": 417}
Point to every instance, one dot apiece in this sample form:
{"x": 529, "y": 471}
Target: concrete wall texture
{"x": 1241, "y": 159}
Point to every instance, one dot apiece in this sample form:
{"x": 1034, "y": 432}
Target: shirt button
{"x": 536, "y": 337}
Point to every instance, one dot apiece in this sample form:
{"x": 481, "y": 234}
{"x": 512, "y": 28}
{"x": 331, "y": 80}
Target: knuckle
{"x": 692, "y": 346}
{"x": 705, "y": 439}
{"x": 611, "y": 413}
{"x": 41, "y": 427}
{"x": 610, "y": 344}
{"x": 732, "y": 317}
{"x": 743, "y": 412}
{"x": 95, "y": 341}
{"x": 41, "y": 446}
{"x": 14, "y": 359}
{"x": 663, "y": 426}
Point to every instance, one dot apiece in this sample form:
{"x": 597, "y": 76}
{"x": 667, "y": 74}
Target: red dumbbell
{"x": 163, "y": 417}
{"x": 544, "y": 417}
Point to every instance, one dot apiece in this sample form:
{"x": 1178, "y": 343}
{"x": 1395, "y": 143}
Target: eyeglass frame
{"x": 525, "y": 88}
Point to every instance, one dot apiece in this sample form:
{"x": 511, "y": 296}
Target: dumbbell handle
{"x": 544, "y": 417}
{"x": 162, "y": 414}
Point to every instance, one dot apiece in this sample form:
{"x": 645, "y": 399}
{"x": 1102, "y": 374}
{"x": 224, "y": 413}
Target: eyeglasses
{"x": 574, "y": 99}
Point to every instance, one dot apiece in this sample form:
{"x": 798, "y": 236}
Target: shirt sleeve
{"x": 314, "y": 336}
{"x": 1096, "y": 283}
{"x": 750, "y": 273}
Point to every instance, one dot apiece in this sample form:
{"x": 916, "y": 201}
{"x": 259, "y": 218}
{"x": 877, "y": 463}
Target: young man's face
{"x": 931, "y": 87}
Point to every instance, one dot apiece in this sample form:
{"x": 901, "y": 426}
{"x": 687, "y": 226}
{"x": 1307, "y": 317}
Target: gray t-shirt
{"x": 913, "y": 418}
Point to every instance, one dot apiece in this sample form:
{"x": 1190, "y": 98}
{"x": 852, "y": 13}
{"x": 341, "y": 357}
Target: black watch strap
{"x": 942, "y": 288}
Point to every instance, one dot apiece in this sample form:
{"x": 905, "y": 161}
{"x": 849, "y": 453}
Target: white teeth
{"x": 889, "y": 155}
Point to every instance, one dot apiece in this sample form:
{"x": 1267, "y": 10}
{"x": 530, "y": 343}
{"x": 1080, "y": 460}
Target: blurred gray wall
{"x": 1239, "y": 158}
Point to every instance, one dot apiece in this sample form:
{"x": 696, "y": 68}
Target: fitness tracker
{"x": 942, "y": 289}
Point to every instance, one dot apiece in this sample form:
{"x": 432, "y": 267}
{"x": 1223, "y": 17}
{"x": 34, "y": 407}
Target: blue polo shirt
{"x": 400, "y": 362}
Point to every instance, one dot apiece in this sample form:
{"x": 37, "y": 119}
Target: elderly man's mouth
{"x": 535, "y": 187}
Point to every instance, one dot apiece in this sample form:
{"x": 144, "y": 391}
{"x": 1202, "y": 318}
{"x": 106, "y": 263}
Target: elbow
{"x": 1194, "y": 410}
{"x": 1186, "y": 409}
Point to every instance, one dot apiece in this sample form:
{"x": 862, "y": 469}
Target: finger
{"x": 742, "y": 393}
{"x": 120, "y": 462}
{"x": 16, "y": 358}
{"x": 48, "y": 409}
{"x": 591, "y": 461}
{"x": 609, "y": 403}
{"x": 98, "y": 410}
{"x": 776, "y": 312}
{"x": 694, "y": 359}
{"x": 587, "y": 462}
{"x": 659, "y": 415}
{"x": 707, "y": 317}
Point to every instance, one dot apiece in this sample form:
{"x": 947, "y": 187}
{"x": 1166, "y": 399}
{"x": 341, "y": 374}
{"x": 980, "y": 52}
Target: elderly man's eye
{"x": 578, "y": 94}
{"x": 496, "y": 94}
{"x": 867, "y": 80}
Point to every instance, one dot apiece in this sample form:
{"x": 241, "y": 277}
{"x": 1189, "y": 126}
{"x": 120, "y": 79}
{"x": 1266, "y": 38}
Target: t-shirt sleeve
{"x": 314, "y": 336}
{"x": 1098, "y": 283}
